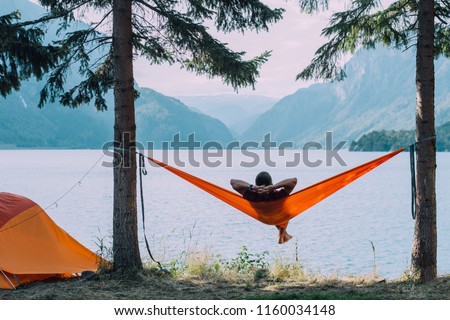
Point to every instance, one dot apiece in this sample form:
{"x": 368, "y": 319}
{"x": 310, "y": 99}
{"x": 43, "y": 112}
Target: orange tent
{"x": 33, "y": 247}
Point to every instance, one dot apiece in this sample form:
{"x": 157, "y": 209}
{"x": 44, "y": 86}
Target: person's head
{"x": 263, "y": 179}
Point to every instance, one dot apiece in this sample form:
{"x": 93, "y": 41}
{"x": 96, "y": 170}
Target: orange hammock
{"x": 279, "y": 212}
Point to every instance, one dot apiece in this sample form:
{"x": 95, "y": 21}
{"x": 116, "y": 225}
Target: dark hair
{"x": 263, "y": 179}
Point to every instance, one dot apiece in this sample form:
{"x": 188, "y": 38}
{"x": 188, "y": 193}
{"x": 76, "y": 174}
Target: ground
{"x": 153, "y": 285}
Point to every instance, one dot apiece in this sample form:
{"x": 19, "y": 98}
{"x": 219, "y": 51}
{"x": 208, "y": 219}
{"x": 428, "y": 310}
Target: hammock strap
{"x": 143, "y": 171}
{"x": 412, "y": 162}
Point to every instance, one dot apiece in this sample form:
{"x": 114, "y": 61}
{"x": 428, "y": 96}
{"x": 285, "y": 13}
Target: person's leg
{"x": 283, "y": 236}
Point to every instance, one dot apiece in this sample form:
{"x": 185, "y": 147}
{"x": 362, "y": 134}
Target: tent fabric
{"x": 33, "y": 247}
{"x": 279, "y": 212}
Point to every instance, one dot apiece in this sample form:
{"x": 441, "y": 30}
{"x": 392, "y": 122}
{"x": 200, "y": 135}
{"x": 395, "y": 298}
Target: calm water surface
{"x": 334, "y": 237}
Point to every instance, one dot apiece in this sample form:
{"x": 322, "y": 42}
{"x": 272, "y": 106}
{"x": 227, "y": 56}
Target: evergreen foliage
{"x": 384, "y": 140}
{"x": 389, "y": 140}
{"x": 22, "y": 53}
{"x": 365, "y": 24}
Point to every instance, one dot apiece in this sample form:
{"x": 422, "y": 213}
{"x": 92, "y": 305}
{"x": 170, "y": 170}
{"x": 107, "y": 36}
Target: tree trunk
{"x": 125, "y": 236}
{"x": 425, "y": 236}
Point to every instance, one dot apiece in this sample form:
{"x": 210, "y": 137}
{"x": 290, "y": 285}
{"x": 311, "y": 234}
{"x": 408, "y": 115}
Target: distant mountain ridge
{"x": 378, "y": 94}
{"x": 158, "y": 119}
{"x": 238, "y": 112}
{"x": 26, "y": 126}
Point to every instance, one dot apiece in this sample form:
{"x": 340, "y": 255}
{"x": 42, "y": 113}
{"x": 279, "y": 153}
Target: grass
{"x": 248, "y": 276}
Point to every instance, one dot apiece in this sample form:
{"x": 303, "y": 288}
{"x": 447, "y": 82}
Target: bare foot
{"x": 284, "y": 237}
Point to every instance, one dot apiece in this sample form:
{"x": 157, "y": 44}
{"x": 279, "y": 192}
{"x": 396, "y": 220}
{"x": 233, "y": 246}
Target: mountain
{"x": 28, "y": 10}
{"x": 238, "y": 112}
{"x": 378, "y": 94}
{"x": 158, "y": 117}
{"x": 26, "y": 126}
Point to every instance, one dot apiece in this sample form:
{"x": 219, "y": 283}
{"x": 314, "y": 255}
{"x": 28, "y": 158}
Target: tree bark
{"x": 425, "y": 235}
{"x": 125, "y": 237}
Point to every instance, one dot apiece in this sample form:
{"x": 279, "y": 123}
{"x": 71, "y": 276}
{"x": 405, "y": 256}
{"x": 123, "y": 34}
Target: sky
{"x": 293, "y": 41}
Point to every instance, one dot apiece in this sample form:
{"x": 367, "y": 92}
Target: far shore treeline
{"x": 388, "y": 140}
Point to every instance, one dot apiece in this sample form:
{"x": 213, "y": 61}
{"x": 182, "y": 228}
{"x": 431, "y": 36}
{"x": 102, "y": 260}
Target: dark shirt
{"x": 254, "y": 196}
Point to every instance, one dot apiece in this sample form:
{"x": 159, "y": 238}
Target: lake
{"x": 333, "y": 238}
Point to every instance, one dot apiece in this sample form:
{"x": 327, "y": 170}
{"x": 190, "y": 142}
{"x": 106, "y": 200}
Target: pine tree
{"x": 425, "y": 25}
{"x": 163, "y": 31}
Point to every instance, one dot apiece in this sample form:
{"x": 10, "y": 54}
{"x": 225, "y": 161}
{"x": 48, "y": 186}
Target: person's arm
{"x": 239, "y": 185}
{"x": 288, "y": 185}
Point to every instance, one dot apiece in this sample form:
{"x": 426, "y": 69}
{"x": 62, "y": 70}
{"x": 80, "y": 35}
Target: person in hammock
{"x": 265, "y": 190}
